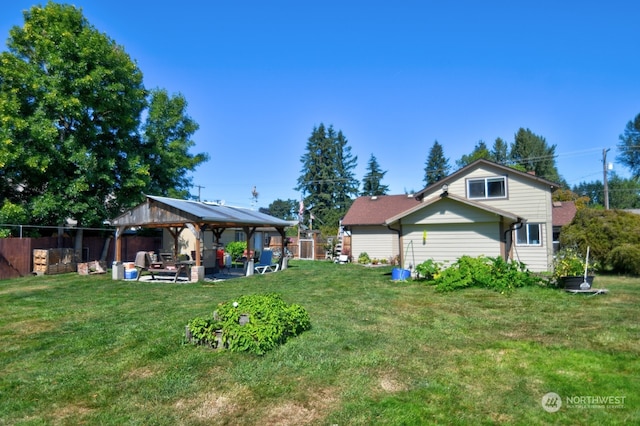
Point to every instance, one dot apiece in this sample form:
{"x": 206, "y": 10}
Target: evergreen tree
{"x": 500, "y": 152}
{"x": 532, "y": 152}
{"x": 480, "y": 151}
{"x": 371, "y": 184}
{"x": 283, "y": 209}
{"x": 437, "y": 166}
{"x": 327, "y": 181}
{"x": 629, "y": 146}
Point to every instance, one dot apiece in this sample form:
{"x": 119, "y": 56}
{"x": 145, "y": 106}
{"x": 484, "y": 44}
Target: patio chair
{"x": 265, "y": 263}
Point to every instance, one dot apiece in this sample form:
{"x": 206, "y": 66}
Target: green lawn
{"x": 89, "y": 350}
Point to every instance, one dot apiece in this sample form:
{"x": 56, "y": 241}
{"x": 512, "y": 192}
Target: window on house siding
{"x": 240, "y": 236}
{"x": 529, "y": 235}
{"x": 495, "y": 187}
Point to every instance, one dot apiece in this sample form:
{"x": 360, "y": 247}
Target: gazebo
{"x": 177, "y": 215}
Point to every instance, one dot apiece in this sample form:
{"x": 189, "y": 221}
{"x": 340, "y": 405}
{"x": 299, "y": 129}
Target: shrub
{"x": 429, "y": 269}
{"x": 236, "y": 248}
{"x": 364, "y": 258}
{"x": 625, "y": 258}
{"x": 603, "y": 231}
{"x": 485, "y": 272}
{"x": 270, "y": 323}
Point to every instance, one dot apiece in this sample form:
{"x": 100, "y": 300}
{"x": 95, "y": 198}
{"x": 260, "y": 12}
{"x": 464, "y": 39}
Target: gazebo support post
{"x": 249, "y": 265}
{"x": 284, "y": 261}
{"x": 197, "y": 271}
{"x": 117, "y": 269}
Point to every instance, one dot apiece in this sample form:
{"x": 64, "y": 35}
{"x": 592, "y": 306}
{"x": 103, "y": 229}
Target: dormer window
{"x": 483, "y": 188}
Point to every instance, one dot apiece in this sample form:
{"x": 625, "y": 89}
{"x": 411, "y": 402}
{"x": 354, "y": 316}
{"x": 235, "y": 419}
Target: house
{"x": 563, "y": 213}
{"x": 365, "y": 221}
{"x": 482, "y": 209}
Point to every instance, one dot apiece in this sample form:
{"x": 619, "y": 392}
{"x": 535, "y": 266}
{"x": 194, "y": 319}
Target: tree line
{"x": 328, "y": 184}
{"x": 82, "y": 138}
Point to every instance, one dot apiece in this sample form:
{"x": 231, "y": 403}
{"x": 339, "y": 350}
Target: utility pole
{"x": 199, "y": 188}
{"x": 606, "y": 185}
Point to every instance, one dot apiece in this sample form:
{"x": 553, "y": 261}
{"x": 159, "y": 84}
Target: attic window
{"x": 493, "y": 187}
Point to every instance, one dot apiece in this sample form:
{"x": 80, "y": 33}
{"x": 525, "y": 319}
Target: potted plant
{"x": 571, "y": 270}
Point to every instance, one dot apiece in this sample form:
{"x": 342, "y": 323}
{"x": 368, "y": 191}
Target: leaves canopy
{"x": 70, "y": 106}
{"x": 480, "y": 151}
{"x": 372, "y": 181}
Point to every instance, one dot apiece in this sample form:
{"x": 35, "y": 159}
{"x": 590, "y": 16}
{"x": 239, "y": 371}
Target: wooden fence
{"x": 16, "y": 254}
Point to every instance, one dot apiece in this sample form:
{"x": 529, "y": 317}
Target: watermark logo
{"x": 551, "y": 402}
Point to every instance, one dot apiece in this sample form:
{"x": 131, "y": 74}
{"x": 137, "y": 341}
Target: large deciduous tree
{"x": 480, "y": 151}
{"x": 437, "y": 165}
{"x": 327, "y": 181}
{"x": 372, "y": 181}
{"x": 71, "y": 145}
{"x": 629, "y": 146}
{"x": 166, "y": 138}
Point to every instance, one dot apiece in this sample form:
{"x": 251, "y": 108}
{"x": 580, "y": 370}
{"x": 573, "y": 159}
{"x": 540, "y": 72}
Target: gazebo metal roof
{"x": 167, "y": 212}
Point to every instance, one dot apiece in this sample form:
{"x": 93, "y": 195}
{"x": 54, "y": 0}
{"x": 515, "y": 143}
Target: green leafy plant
{"x": 364, "y": 258}
{"x": 203, "y": 330}
{"x": 568, "y": 262}
{"x": 485, "y": 272}
{"x": 254, "y": 323}
{"x": 236, "y": 248}
{"x": 429, "y": 269}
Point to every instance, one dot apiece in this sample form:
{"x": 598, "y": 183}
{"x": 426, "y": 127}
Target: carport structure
{"x": 177, "y": 215}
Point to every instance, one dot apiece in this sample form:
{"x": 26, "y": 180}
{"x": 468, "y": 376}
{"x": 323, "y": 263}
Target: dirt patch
{"x": 389, "y": 383}
{"x": 216, "y": 407}
{"x": 24, "y": 289}
{"x": 297, "y": 413}
{"x": 28, "y": 327}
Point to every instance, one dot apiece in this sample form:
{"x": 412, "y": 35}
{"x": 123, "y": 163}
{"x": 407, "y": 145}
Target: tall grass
{"x": 89, "y": 350}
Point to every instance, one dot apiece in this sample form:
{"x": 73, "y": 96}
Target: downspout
{"x": 513, "y": 227}
{"x": 399, "y": 231}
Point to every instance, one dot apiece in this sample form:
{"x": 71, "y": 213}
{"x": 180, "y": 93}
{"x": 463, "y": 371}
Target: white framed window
{"x": 529, "y": 235}
{"x": 490, "y": 187}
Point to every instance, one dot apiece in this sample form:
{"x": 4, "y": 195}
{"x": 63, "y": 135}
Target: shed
{"x": 177, "y": 215}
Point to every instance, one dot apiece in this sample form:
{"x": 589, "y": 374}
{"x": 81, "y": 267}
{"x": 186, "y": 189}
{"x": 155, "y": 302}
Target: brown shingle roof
{"x": 563, "y": 212}
{"x": 375, "y": 210}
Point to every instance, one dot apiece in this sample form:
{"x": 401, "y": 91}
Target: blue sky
{"x": 393, "y": 76}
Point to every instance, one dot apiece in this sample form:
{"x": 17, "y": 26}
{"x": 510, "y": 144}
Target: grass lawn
{"x": 89, "y": 350}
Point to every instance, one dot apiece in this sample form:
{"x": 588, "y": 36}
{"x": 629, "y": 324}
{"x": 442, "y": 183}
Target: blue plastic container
{"x": 398, "y": 274}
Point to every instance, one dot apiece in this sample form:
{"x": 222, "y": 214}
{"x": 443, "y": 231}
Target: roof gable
{"x": 461, "y": 200}
{"x": 499, "y": 168}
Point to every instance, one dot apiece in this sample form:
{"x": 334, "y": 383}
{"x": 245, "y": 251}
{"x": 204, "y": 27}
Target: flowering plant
{"x": 568, "y": 263}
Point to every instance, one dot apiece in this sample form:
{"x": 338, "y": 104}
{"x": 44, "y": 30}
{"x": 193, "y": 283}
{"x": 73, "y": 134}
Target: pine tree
{"x": 437, "y": 166}
{"x": 500, "y": 152}
{"x": 532, "y": 152}
{"x": 628, "y": 146}
{"x": 371, "y": 184}
{"x": 327, "y": 181}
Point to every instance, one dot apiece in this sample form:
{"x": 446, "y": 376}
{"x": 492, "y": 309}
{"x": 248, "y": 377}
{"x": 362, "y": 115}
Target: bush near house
{"x": 612, "y": 235}
{"x": 485, "y": 272}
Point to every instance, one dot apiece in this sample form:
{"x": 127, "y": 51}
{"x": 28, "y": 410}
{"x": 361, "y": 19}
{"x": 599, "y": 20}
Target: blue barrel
{"x": 398, "y": 274}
